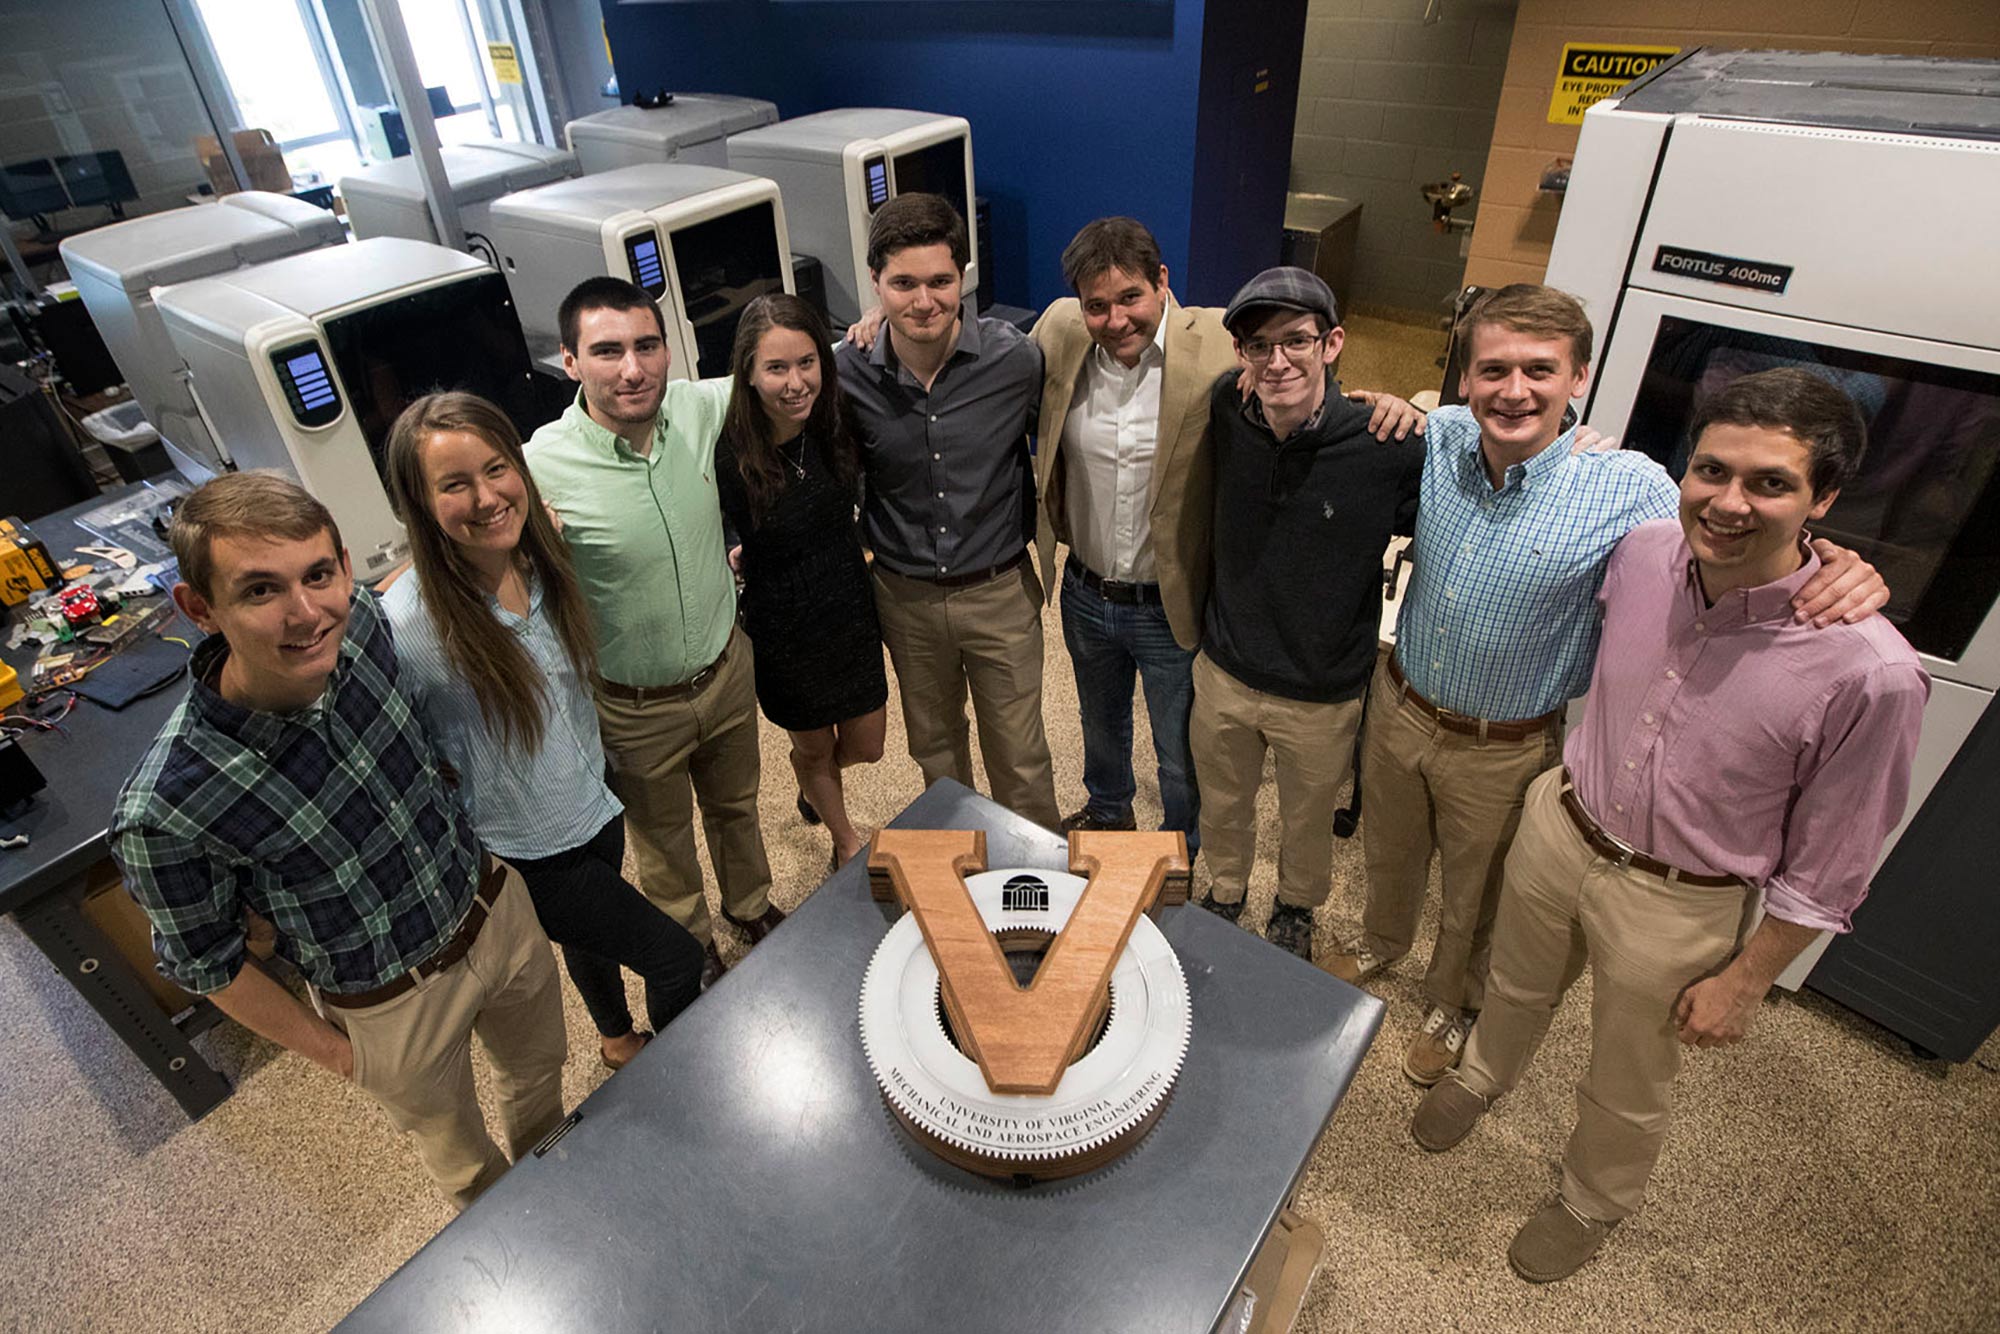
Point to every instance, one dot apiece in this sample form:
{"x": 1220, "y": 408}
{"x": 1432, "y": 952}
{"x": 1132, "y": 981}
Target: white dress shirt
{"x": 1109, "y": 439}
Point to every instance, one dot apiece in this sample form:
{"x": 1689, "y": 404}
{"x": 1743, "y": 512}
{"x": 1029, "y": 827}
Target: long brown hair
{"x": 513, "y": 695}
{"x": 747, "y": 427}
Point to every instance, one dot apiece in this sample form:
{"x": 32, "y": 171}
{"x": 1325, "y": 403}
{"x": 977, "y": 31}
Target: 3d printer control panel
{"x": 642, "y": 251}
{"x": 875, "y": 175}
{"x": 308, "y": 384}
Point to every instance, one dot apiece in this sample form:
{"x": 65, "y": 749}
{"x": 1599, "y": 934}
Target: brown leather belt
{"x": 1112, "y": 590}
{"x": 1519, "y": 729}
{"x": 687, "y": 689}
{"x": 985, "y": 576}
{"x": 1623, "y": 853}
{"x": 455, "y": 949}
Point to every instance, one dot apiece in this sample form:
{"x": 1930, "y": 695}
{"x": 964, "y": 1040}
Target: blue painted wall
{"x": 1079, "y": 108}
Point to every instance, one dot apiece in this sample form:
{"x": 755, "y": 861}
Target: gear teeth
{"x": 1157, "y": 965}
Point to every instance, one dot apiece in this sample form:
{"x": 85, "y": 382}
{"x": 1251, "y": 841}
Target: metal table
{"x": 744, "y": 1174}
{"x": 42, "y": 885}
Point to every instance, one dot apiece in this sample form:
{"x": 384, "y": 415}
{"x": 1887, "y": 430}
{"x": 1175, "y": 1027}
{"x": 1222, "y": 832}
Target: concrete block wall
{"x": 1517, "y": 225}
{"x": 1386, "y": 105}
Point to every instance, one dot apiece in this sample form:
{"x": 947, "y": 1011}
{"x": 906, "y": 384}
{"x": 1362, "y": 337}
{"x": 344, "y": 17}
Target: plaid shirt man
{"x": 333, "y": 822}
{"x": 1500, "y": 620}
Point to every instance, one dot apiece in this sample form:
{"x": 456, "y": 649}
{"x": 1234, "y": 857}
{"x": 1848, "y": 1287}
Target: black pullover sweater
{"x": 1300, "y": 529}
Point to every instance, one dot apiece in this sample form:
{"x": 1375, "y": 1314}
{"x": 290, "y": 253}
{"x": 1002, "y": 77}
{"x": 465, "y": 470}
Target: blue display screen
{"x": 646, "y": 263}
{"x": 878, "y": 184}
{"x": 310, "y": 379}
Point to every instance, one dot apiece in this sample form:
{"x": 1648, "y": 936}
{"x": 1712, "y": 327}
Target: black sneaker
{"x": 806, "y": 811}
{"x": 1291, "y": 929}
{"x": 1085, "y": 819}
{"x": 1228, "y": 912}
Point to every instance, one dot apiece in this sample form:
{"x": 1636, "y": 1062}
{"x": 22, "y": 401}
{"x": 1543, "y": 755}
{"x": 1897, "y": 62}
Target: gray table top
{"x": 744, "y": 1174}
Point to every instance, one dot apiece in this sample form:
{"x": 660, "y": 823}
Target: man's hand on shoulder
{"x": 1389, "y": 416}
{"x": 1588, "y": 440}
{"x": 862, "y": 332}
{"x": 1847, "y": 588}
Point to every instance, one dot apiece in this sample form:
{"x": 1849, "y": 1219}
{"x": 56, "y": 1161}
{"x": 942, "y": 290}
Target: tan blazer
{"x": 1198, "y": 350}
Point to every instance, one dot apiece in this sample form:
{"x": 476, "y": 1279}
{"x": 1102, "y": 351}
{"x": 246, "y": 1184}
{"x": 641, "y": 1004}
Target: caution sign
{"x": 506, "y": 65}
{"x": 1593, "y": 71}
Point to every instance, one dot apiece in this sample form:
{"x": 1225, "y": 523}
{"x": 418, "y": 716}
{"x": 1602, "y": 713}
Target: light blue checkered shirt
{"x": 523, "y": 806}
{"x": 1500, "y": 620}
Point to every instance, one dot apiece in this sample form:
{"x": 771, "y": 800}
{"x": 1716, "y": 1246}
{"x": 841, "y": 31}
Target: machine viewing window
{"x": 1925, "y": 507}
{"x": 877, "y": 173}
{"x": 309, "y": 390}
{"x": 462, "y": 335}
{"x": 723, "y": 265}
{"x": 937, "y": 169}
{"x": 643, "y": 250}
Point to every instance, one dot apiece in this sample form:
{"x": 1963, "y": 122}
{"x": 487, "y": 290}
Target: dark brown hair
{"x": 601, "y": 293}
{"x": 916, "y": 219}
{"x": 1531, "y": 308}
{"x": 513, "y": 695}
{"x": 243, "y": 504}
{"x": 1107, "y": 244}
{"x": 1813, "y": 412}
{"x": 746, "y": 427}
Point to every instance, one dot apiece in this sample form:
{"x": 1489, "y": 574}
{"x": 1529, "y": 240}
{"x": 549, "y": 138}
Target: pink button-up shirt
{"x": 1730, "y": 740}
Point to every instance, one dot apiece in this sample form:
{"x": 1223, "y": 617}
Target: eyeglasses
{"x": 1257, "y": 351}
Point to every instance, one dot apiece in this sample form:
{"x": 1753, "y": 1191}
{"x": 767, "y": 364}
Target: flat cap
{"x": 1286, "y": 288}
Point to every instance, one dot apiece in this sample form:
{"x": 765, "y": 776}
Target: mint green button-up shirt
{"x": 646, "y": 533}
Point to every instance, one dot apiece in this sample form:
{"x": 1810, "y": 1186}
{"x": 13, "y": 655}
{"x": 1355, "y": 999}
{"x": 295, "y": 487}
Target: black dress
{"x": 808, "y": 605}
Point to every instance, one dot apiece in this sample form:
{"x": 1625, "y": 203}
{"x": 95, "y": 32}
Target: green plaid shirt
{"x": 333, "y": 822}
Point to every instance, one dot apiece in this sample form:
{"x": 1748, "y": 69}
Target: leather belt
{"x": 687, "y": 689}
{"x": 1624, "y": 854}
{"x": 1111, "y": 590}
{"x": 985, "y": 576}
{"x": 1519, "y": 729}
{"x": 460, "y": 945}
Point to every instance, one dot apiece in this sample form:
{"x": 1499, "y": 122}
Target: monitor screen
{"x": 642, "y": 250}
{"x": 938, "y": 169}
{"x": 724, "y": 264}
{"x": 876, "y": 173}
{"x": 96, "y": 178}
{"x": 463, "y": 335}
{"x": 30, "y": 188}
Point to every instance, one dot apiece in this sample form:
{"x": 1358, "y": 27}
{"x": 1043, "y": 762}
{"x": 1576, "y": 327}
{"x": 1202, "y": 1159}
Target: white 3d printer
{"x": 387, "y": 199}
{"x": 302, "y": 365}
{"x": 1739, "y": 210}
{"x": 701, "y": 241}
{"x": 837, "y": 167}
{"x": 691, "y": 128}
{"x": 116, "y": 268}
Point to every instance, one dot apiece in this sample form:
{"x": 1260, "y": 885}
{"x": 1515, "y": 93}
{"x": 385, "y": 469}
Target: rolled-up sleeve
{"x": 193, "y": 903}
{"x": 1854, "y": 781}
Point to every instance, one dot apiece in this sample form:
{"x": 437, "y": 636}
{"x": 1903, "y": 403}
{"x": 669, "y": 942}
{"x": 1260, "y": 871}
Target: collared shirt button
{"x": 940, "y": 495}
{"x": 1673, "y": 675}
{"x": 1618, "y": 806}
{"x": 1649, "y": 717}
{"x": 1701, "y": 626}
{"x": 933, "y": 416}
{"x": 1631, "y": 764}
{"x": 937, "y": 456}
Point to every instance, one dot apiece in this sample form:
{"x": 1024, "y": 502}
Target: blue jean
{"x": 1110, "y": 644}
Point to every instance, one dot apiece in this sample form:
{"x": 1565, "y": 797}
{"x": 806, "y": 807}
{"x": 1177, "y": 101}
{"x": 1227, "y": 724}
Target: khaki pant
{"x": 985, "y": 639}
{"x": 668, "y": 754}
{"x": 1313, "y": 745}
{"x": 413, "y": 1053}
{"x": 1646, "y": 938}
{"x": 1424, "y": 787}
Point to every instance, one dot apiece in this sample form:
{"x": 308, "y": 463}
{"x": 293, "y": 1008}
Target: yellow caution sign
{"x": 506, "y": 65}
{"x": 1593, "y": 71}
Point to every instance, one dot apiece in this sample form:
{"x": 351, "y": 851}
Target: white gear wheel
{"x": 1111, "y": 1093}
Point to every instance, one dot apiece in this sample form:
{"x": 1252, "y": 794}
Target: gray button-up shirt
{"x": 949, "y": 487}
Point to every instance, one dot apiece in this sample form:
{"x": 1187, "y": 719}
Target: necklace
{"x": 795, "y": 461}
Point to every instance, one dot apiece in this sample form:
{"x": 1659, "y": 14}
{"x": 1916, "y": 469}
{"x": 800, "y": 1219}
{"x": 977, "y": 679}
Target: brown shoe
{"x": 1356, "y": 967}
{"x": 611, "y": 1064}
{"x": 1446, "y": 1115}
{"x": 1437, "y": 1046}
{"x": 712, "y": 966}
{"x": 759, "y": 927}
{"x": 1556, "y": 1242}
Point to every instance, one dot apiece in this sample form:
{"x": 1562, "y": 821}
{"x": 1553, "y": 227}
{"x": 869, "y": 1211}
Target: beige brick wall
{"x": 1517, "y": 224}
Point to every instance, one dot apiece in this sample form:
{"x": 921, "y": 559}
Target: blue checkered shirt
{"x": 1500, "y": 619}
{"x": 333, "y": 822}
